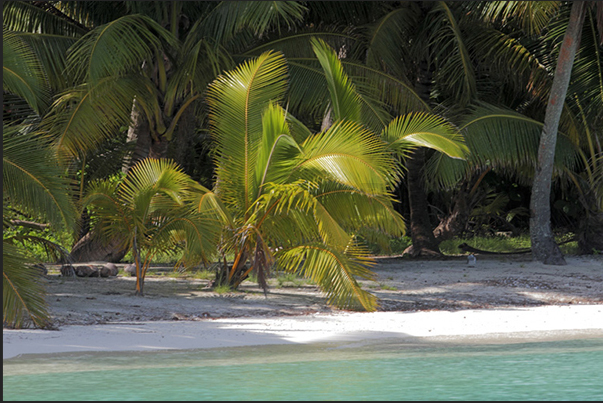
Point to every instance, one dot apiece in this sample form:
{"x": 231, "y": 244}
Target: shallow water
{"x": 383, "y": 370}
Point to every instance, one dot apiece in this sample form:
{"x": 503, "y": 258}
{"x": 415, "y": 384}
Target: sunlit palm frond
{"x": 344, "y": 99}
{"x": 335, "y": 271}
{"x": 278, "y": 151}
{"x": 354, "y": 209}
{"x": 531, "y": 16}
{"x": 237, "y": 101}
{"x": 32, "y": 179}
{"x": 424, "y": 130}
{"x": 348, "y": 154}
{"x": 22, "y": 290}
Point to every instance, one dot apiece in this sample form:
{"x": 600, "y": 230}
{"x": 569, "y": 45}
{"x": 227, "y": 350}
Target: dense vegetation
{"x": 304, "y": 136}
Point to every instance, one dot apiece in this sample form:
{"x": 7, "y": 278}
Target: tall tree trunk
{"x": 544, "y": 247}
{"x": 140, "y": 132}
{"x": 423, "y": 241}
{"x": 180, "y": 146}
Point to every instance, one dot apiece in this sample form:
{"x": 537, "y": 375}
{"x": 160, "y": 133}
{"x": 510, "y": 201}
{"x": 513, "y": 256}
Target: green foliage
{"x": 504, "y": 244}
{"x": 156, "y": 209}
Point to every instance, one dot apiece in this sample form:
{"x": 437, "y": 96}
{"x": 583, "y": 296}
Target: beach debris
{"x": 471, "y": 260}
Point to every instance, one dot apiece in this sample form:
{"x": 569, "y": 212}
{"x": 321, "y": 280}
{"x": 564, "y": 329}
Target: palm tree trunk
{"x": 423, "y": 241}
{"x": 544, "y": 247}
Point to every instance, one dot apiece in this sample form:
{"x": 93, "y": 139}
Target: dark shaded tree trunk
{"x": 424, "y": 243}
{"x": 544, "y": 248}
{"x": 454, "y": 223}
{"x": 181, "y": 143}
{"x": 590, "y": 234}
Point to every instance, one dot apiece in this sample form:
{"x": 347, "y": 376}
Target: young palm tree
{"x": 157, "y": 208}
{"x": 301, "y": 199}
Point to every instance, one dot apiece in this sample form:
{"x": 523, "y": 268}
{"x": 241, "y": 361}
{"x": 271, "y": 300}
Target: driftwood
{"x": 29, "y": 224}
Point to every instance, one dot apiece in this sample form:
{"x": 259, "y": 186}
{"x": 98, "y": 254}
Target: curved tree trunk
{"x": 90, "y": 248}
{"x": 544, "y": 247}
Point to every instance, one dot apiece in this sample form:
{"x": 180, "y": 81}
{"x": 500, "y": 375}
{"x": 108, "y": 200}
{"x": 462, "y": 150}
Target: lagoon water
{"x": 384, "y": 370}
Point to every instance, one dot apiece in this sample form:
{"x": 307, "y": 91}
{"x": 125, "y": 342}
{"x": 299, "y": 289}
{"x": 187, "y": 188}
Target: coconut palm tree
{"x": 304, "y": 200}
{"x": 157, "y": 208}
{"x": 153, "y": 83}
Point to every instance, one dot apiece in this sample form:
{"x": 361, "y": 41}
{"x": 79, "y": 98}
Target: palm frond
{"x": 384, "y": 50}
{"x": 334, "y": 271}
{"x": 231, "y": 17}
{"x": 454, "y": 67}
{"x": 22, "y": 73}
{"x": 344, "y": 99}
{"x": 83, "y": 117}
{"x": 278, "y": 151}
{"x": 424, "y": 130}
{"x": 237, "y": 101}
{"x": 348, "y": 154}
{"x": 532, "y": 17}
{"x": 26, "y": 17}
{"x": 51, "y": 51}
{"x": 22, "y": 290}
{"x": 503, "y": 140}
{"x": 104, "y": 53}
{"x": 32, "y": 179}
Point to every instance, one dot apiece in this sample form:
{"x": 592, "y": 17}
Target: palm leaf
{"x": 22, "y": 290}
{"x": 344, "y": 99}
{"x": 237, "y": 101}
{"x": 334, "y": 271}
{"x": 278, "y": 151}
{"x": 22, "y": 72}
{"x": 348, "y": 154}
{"x": 453, "y": 65}
{"x": 424, "y": 130}
{"x": 104, "y": 53}
{"x": 23, "y": 16}
{"x": 85, "y": 116}
{"x": 32, "y": 179}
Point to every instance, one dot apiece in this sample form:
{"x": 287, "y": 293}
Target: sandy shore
{"x": 500, "y": 300}
{"x": 521, "y": 324}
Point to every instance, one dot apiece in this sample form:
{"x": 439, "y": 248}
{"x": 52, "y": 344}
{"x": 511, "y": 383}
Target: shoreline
{"x": 542, "y": 323}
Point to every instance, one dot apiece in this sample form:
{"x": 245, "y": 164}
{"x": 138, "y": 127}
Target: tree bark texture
{"x": 140, "y": 132}
{"x": 544, "y": 248}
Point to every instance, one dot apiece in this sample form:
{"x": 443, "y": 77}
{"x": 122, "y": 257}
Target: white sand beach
{"x": 501, "y": 300}
{"x": 520, "y": 324}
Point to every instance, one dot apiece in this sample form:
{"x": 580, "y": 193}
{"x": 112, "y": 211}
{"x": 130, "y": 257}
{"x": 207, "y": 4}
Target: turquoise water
{"x": 561, "y": 370}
